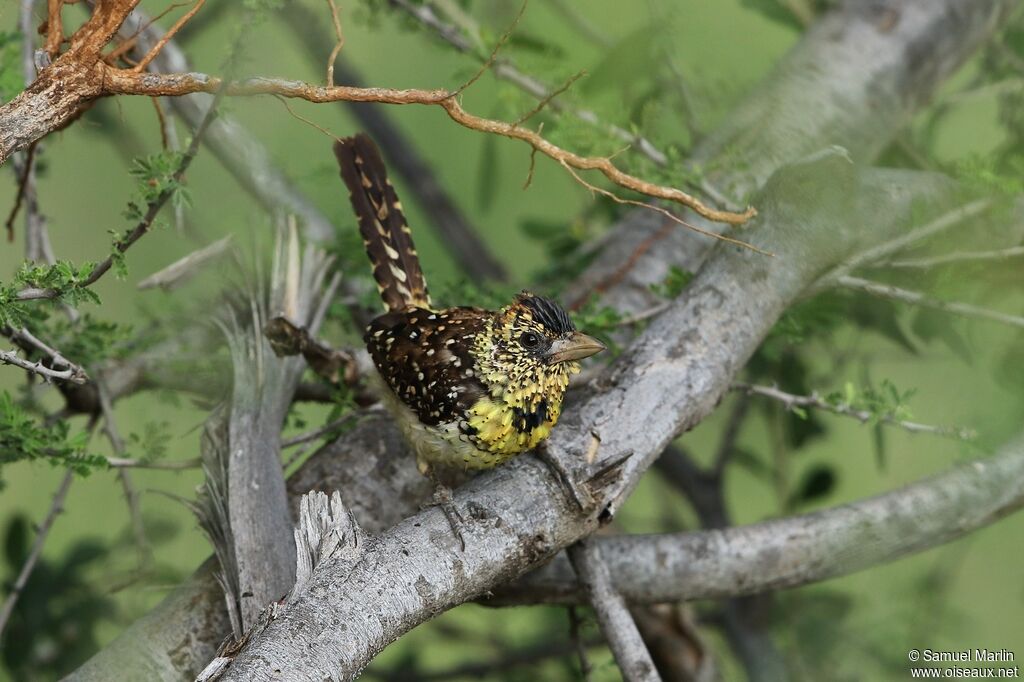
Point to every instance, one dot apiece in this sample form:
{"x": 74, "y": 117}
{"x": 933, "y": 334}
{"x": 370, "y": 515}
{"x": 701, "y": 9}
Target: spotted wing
{"x": 424, "y": 357}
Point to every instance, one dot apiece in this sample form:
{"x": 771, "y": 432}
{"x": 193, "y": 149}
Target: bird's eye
{"x": 529, "y": 340}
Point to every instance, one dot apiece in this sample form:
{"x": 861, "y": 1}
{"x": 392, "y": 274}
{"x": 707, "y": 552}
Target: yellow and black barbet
{"x": 470, "y": 388}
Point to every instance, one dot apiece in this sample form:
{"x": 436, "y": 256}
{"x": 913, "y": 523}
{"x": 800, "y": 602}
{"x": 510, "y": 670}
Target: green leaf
{"x": 21, "y": 439}
{"x": 675, "y": 281}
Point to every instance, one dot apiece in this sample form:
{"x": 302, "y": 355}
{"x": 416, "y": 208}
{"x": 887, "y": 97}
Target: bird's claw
{"x": 566, "y": 481}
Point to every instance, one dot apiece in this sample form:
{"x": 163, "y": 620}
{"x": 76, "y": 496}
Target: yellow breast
{"x": 500, "y": 430}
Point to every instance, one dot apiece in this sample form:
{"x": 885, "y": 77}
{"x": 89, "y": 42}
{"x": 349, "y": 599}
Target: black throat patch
{"x": 525, "y": 422}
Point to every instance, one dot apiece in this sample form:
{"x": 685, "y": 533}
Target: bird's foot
{"x": 443, "y": 500}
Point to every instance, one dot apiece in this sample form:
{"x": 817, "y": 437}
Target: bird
{"x": 469, "y": 388}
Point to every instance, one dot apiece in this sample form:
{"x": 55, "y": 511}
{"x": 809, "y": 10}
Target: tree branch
{"x": 73, "y": 373}
{"x": 79, "y": 76}
{"x": 798, "y": 550}
{"x": 616, "y": 622}
{"x": 64, "y": 88}
{"x": 790, "y": 400}
{"x": 37, "y": 241}
{"x": 120, "y": 82}
{"x": 131, "y": 495}
{"x": 959, "y": 257}
{"x": 916, "y": 298}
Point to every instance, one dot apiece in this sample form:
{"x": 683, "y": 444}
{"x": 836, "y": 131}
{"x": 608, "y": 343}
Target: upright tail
{"x": 396, "y": 266}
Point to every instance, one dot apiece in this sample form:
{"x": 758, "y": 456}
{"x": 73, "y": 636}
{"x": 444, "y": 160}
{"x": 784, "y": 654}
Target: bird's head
{"x": 532, "y": 349}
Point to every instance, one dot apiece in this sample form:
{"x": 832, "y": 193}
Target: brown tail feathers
{"x": 396, "y": 266}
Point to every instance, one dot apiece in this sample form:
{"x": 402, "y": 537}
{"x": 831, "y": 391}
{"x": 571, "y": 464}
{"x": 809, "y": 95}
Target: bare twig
{"x": 878, "y": 253}
{"x": 612, "y": 614}
{"x": 336, "y": 21}
{"x": 121, "y": 82}
{"x": 28, "y": 340}
{"x": 56, "y": 507}
{"x": 37, "y": 242}
{"x": 506, "y": 70}
{"x": 72, "y": 374}
{"x": 730, "y": 434}
{"x": 790, "y": 401}
{"x": 184, "y": 268}
{"x": 54, "y": 27}
{"x": 155, "y": 50}
{"x": 131, "y": 495}
{"x": 580, "y": 23}
{"x": 169, "y": 141}
{"x": 493, "y": 57}
{"x": 171, "y": 465}
{"x": 548, "y": 99}
{"x": 959, "y": 257}
{"x": 316, "y": 433}
{"x": 509, "y": 658}
{"x": 668, "y": 214}
{"x": 643, "y": 315}
{"x": 24, "y": 174}
{"x": 917, "y": 298}
{"x": 577, "y": 640}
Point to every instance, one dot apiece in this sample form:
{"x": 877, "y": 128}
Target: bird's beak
{"x": 574, "y": 347}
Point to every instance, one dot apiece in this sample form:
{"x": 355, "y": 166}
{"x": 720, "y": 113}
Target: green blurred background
{"x": 967, "y": 594}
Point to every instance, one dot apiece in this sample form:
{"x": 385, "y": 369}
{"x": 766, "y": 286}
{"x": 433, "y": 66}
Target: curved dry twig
{"x": 121, "y": 82}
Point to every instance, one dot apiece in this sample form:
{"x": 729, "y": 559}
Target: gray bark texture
{"x": 517, "y": 514}
{"x": 260, "y": 527}
{"x": 63, "y": 88}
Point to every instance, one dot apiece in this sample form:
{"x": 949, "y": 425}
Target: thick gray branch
{"x": 798, "y": 550}
{"x": 854, "y": 80}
